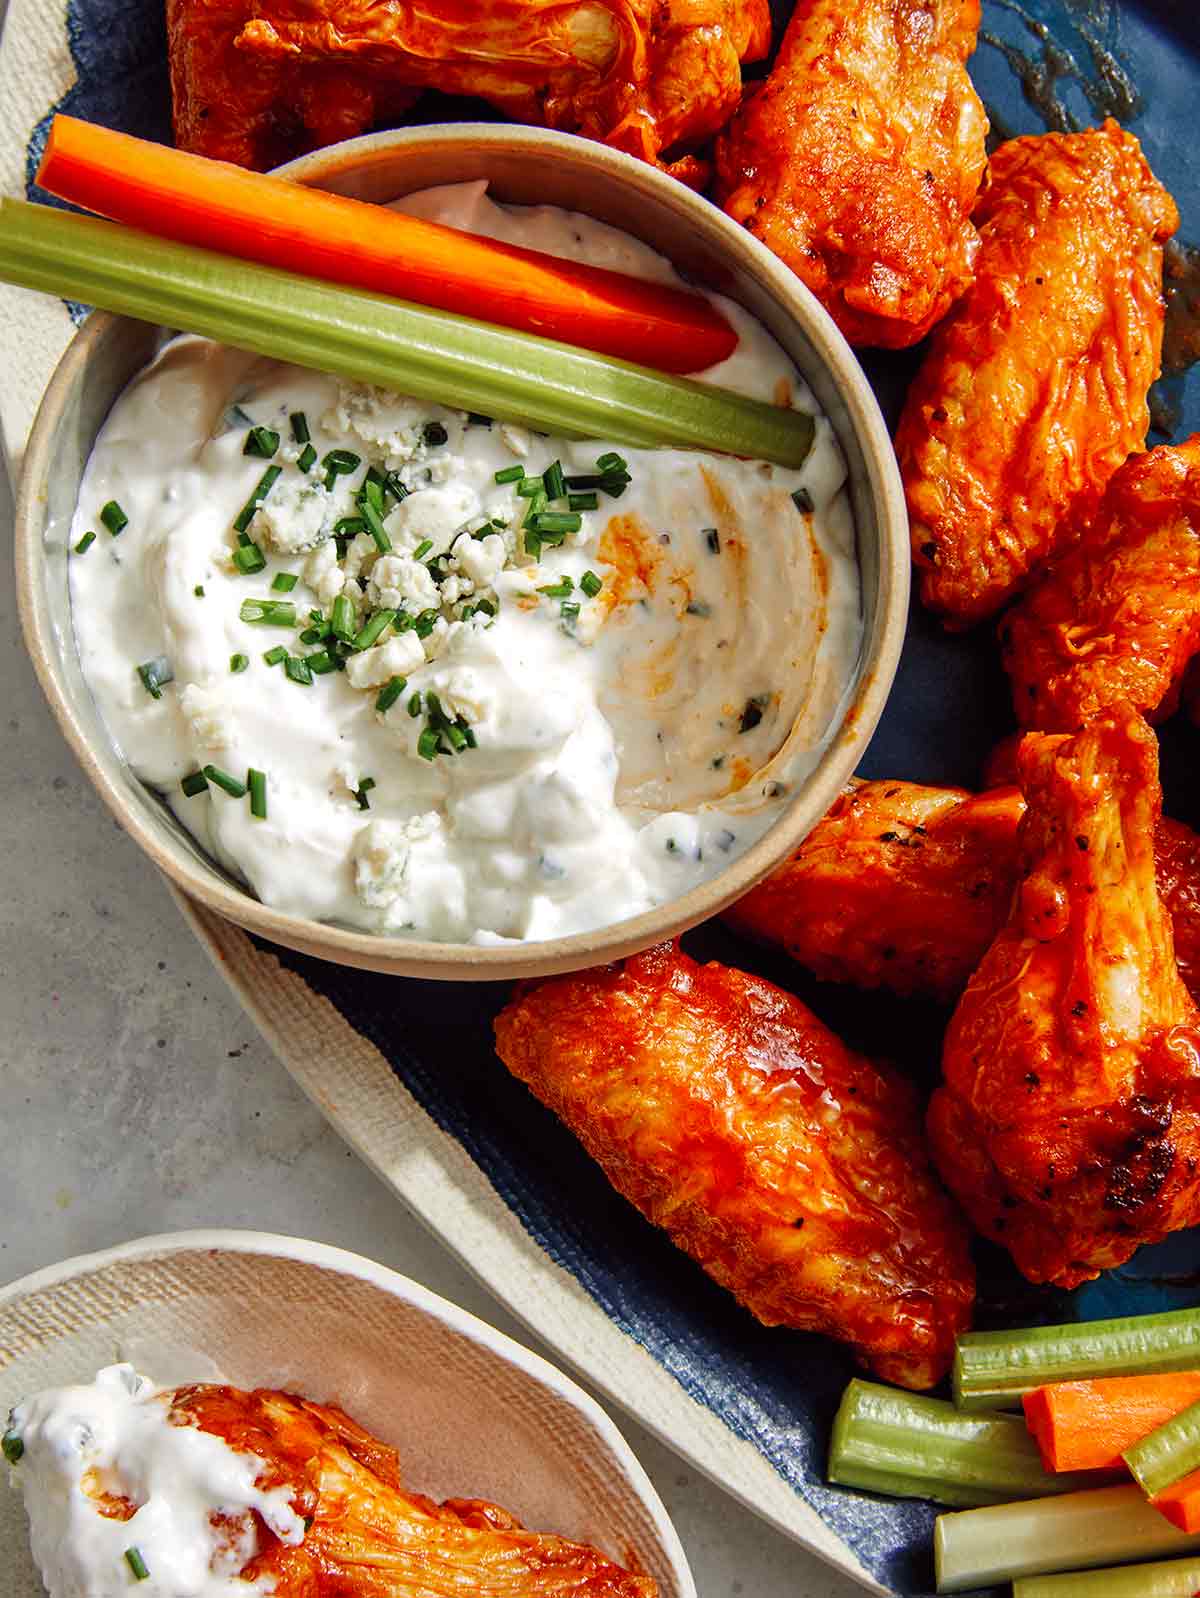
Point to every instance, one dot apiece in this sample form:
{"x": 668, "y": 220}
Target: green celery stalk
{"x": 1172, "y": 1578}
{"x": 1167, "y": 1454}
{"x": 909, "y": 1446}
{"x": 432, "y": 355}
{"x": 1110, "y": 1526}
{"x": 994, "y": 1370}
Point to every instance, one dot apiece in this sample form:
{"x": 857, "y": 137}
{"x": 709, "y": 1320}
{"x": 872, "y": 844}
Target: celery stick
{"x": 1171, "y": 1578}
{"x": 1110, "y": 1526}
{"x": 914, "y": 1447}
{"x": 993, "y": 1370}
{"x": 1167, "y": 1454}
{"x": 431, "y": 355}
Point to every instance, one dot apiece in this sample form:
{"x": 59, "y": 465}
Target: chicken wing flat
{"x": 257, "y": 81}
{"x": 1034, "y": 388}
{"x": 1118, "y": 618}
{"x": 790, "y": 1168}
{"x": 859, "y": 161}
{"x": 904, "y": 887}
{"x": 369, "y": 1538}
{"x": 1068, "y": 1124}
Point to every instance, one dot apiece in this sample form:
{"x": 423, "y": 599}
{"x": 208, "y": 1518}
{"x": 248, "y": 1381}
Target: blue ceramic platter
{"x": 1043, "y": 63}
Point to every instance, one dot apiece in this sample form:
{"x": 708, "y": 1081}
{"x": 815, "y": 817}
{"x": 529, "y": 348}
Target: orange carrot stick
{"x": 1086, "y": 1425}
{"x": 255, "y": 217}
{"x": 1180, "y": 1502}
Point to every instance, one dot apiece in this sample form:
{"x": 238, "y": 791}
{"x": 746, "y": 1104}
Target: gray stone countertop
{"x": 135, "y": 1097}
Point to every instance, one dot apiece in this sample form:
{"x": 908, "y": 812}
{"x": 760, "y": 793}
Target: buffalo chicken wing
{"x": 1034, "y": 388}
{"x": 1118, "y": 618}
{"x": 904, "y": 887}
{"x": 790, "y": 1168}
{"x": 365, "y": 1535}
{"x": 257, "y": 81}
{"x": 859, "y": 161}
{"x": 1068, "y": 1124}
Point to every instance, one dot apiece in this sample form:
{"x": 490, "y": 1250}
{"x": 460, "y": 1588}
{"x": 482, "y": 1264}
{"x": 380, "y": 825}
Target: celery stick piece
{"x": 1167, "y": 1454}
{"x": 1171, "y": 1578}
{"x": 1110, "y": 1526}
{"x": 431, "y": 355}
{"x": 914, "y": 1447}
{"x": 993, "y": 1370}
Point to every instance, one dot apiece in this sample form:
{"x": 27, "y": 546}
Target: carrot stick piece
{"x": 256, "y": 217}
{"x": 1180, "y": 1502}
{"x": 1087, "y": 1425}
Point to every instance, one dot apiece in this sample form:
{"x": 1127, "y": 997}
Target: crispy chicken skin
{"x": 1034, "y": 389}
{"x": 790, "y": 1168}
{"x": 859, "y": 161}
{"x": 368, "y": 1537}
{"x": 257, "y": 81}
{"x": 1068, "y": 1124}
{"x": 904, "y": 887}
{"x": 1118, "y": 618}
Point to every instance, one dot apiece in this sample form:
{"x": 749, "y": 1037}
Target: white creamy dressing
{"x": 110, "y": 1445}
{"x": 623, "y": 753}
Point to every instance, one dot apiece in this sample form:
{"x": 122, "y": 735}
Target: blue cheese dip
{"x": 120, "y": 1496}
{"x": 432, "y": 675}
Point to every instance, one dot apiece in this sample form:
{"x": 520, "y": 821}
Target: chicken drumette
{"x": 790, "y": 1168}
{"x": 1034, "y": 388}
{"x": 1068, "y": 1124}
{"x": 859, "y": 160}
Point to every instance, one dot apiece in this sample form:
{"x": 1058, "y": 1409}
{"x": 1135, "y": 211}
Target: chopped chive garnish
{"x": 510, "y": 474}
{"x": 136, "y": 1563}
{"x": 299, "y": 426}
{"x": 321, "y": 662}
{"x": 276, "y": 655}
{"x": 342, "y": 618}
{"x": 570, "y": 613}
{"x": 284, "y": 582}
{"x": 371, "y": 492}
{"x": 199, "y": 590}
{"x": 389, "y": 693}
{"x": 486, "y": 606}
{"x": 298, "y": 670}
{"x": 405, "y": 622}
{"x": 591, "y": 584}
{"x": 349, "y": 527}
{"x": 427, "y": 743}
{"x": 434, "y": 706}
{"x": 339, "y": 463}
{"x": 435, "y": 434}
{"x": 455, "y": 737}
{"x": 365, "y": 784}
{"x": 261, "y": 489}
{"x": 555, "y": 521}
{"x": 478, "y": 419}
{"x": 268, "y": 612}
{"x": 612, "y": 462}
{"x": 397, "y": 488}
{"x": 554, "y": 480}
{"x": 414, "y": 705}
{"x": 802, "y": 500}
{"x": 85, "y": 543}
{"x": 13, "y": 1446}
{"x": 154, "y": 673}
{"x": 426, "y": 622}
{"x": 468, "y": 734}
{"x": 248, "y": 559}
{"x": 238, "y": 662}
{"x": 195, "y": 782}
{"x": 581, "y": 482}
{"x": 374, "y": 629}
{"x": 376, "y": 528}
{"x": 559, "y": 590}
{"x": 583, "y": 501}
{"x": 533, "y": 544}
{"x": 262, "y": 442}
{"x": 222, "y": 779}
{"x": 713, "y": 539}
{"x": 307, "y": 458}
{"x": 530, "y": 487}
{"x": 256, "y": 781}
{"x": 114, "y": 518}
{"x": 422, "y": 549}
